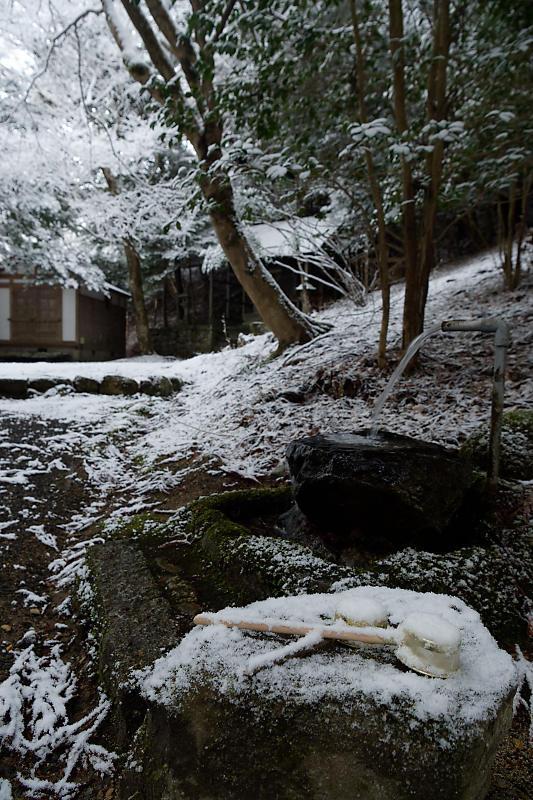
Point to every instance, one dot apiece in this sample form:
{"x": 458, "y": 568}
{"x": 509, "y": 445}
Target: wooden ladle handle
{"x": 294, "y": 630}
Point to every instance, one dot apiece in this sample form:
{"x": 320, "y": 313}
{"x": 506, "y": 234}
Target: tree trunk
{"x": 288, "y": 324}
{"x": 435, "y": 110}
{"x": 419, "y": 244}
{"x": 135, "y": 279}
{"x": 382, "y": 252}
{"x": 521, "y": 230}
{"x": 204, "y": 132}
{"x": 137, "y": 298}
{"x": 412, "y": 320}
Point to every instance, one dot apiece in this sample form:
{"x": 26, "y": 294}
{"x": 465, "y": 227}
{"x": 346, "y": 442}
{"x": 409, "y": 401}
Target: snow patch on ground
{"x": 234, "y": 407}
{"x": 34, "y": 719}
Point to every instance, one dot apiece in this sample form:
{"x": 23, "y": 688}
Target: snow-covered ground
{"x": 236, "y": 404}
{"x": 238, "y": 410}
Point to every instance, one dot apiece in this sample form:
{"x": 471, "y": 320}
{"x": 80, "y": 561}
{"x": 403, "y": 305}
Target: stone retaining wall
{"x": 110, "y": 385}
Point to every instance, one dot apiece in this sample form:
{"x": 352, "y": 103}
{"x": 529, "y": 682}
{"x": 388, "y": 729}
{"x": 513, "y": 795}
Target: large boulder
{"x": 332, "y": 724}
{"x": 85, "y": 385}
{"x": 374, "y": 485}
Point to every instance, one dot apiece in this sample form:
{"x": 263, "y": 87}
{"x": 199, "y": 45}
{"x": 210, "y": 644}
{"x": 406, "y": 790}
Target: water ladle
{"x": 425, "y": 643}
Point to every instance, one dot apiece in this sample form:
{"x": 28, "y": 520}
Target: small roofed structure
{"x": 48, "y": 322}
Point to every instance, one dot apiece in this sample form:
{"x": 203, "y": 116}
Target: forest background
{"x": 139, "y": 135}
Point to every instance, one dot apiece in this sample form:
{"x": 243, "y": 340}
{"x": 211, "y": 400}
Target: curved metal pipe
{"x": 502, "y": 338}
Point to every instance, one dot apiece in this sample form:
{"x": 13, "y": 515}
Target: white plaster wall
{"x": 69, "y": 315}
{"x": 5, "y": 310}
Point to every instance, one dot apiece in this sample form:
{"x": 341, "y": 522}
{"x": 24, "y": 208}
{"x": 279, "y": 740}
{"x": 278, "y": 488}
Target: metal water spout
{"x": 502, "y": 338}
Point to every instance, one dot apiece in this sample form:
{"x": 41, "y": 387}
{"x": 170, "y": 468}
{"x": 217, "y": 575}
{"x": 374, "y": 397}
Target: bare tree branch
{"x": 55, "y": 40}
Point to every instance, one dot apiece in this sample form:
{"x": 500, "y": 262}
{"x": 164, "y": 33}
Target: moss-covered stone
{"x": 494, "y": 580}
{"x": 258, "y": 566}
{"x": 212, "y": 748}
{"x": 227, "y": 564}
{"x": 131, "y": 624}
{"x": 333, "y": 724}
{"x": 516, "y": 461}
{"x": 118, "y": 384}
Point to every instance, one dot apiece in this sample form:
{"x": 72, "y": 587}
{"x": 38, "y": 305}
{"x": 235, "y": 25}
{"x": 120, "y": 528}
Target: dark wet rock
{"x": 160, "y": 387}
{"x": 355, "y": 485}
{"x": 117, "y": 384}
{"x": 177, "y": 384}
{"x": 44, "y": 384}
{"x": 516, "y": 457}
{"x": 15, "y": 388}
{"x": 86, "y": 385}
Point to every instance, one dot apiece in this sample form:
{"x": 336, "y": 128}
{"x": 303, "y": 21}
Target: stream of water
{"x": 413, "y": 348}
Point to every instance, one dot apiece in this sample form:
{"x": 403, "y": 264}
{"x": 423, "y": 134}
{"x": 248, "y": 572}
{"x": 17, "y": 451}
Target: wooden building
{"x": 47, "y": 322}
{"x": 200, "y": 310}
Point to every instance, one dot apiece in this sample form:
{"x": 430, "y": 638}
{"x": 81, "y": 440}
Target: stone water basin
{"x": 332, "y": 724}
{"x": 366, "y": 483}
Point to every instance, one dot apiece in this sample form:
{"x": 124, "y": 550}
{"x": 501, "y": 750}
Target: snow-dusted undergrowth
{"x": 35, "y": 720}
{"x": 234, "y": 407}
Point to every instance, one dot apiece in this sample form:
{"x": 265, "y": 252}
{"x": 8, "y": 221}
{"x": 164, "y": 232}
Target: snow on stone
{"x": 220, "y": 656}
{"x": 362, "y": 610}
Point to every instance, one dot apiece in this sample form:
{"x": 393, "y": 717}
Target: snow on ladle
{"x": 425, "y": 643}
